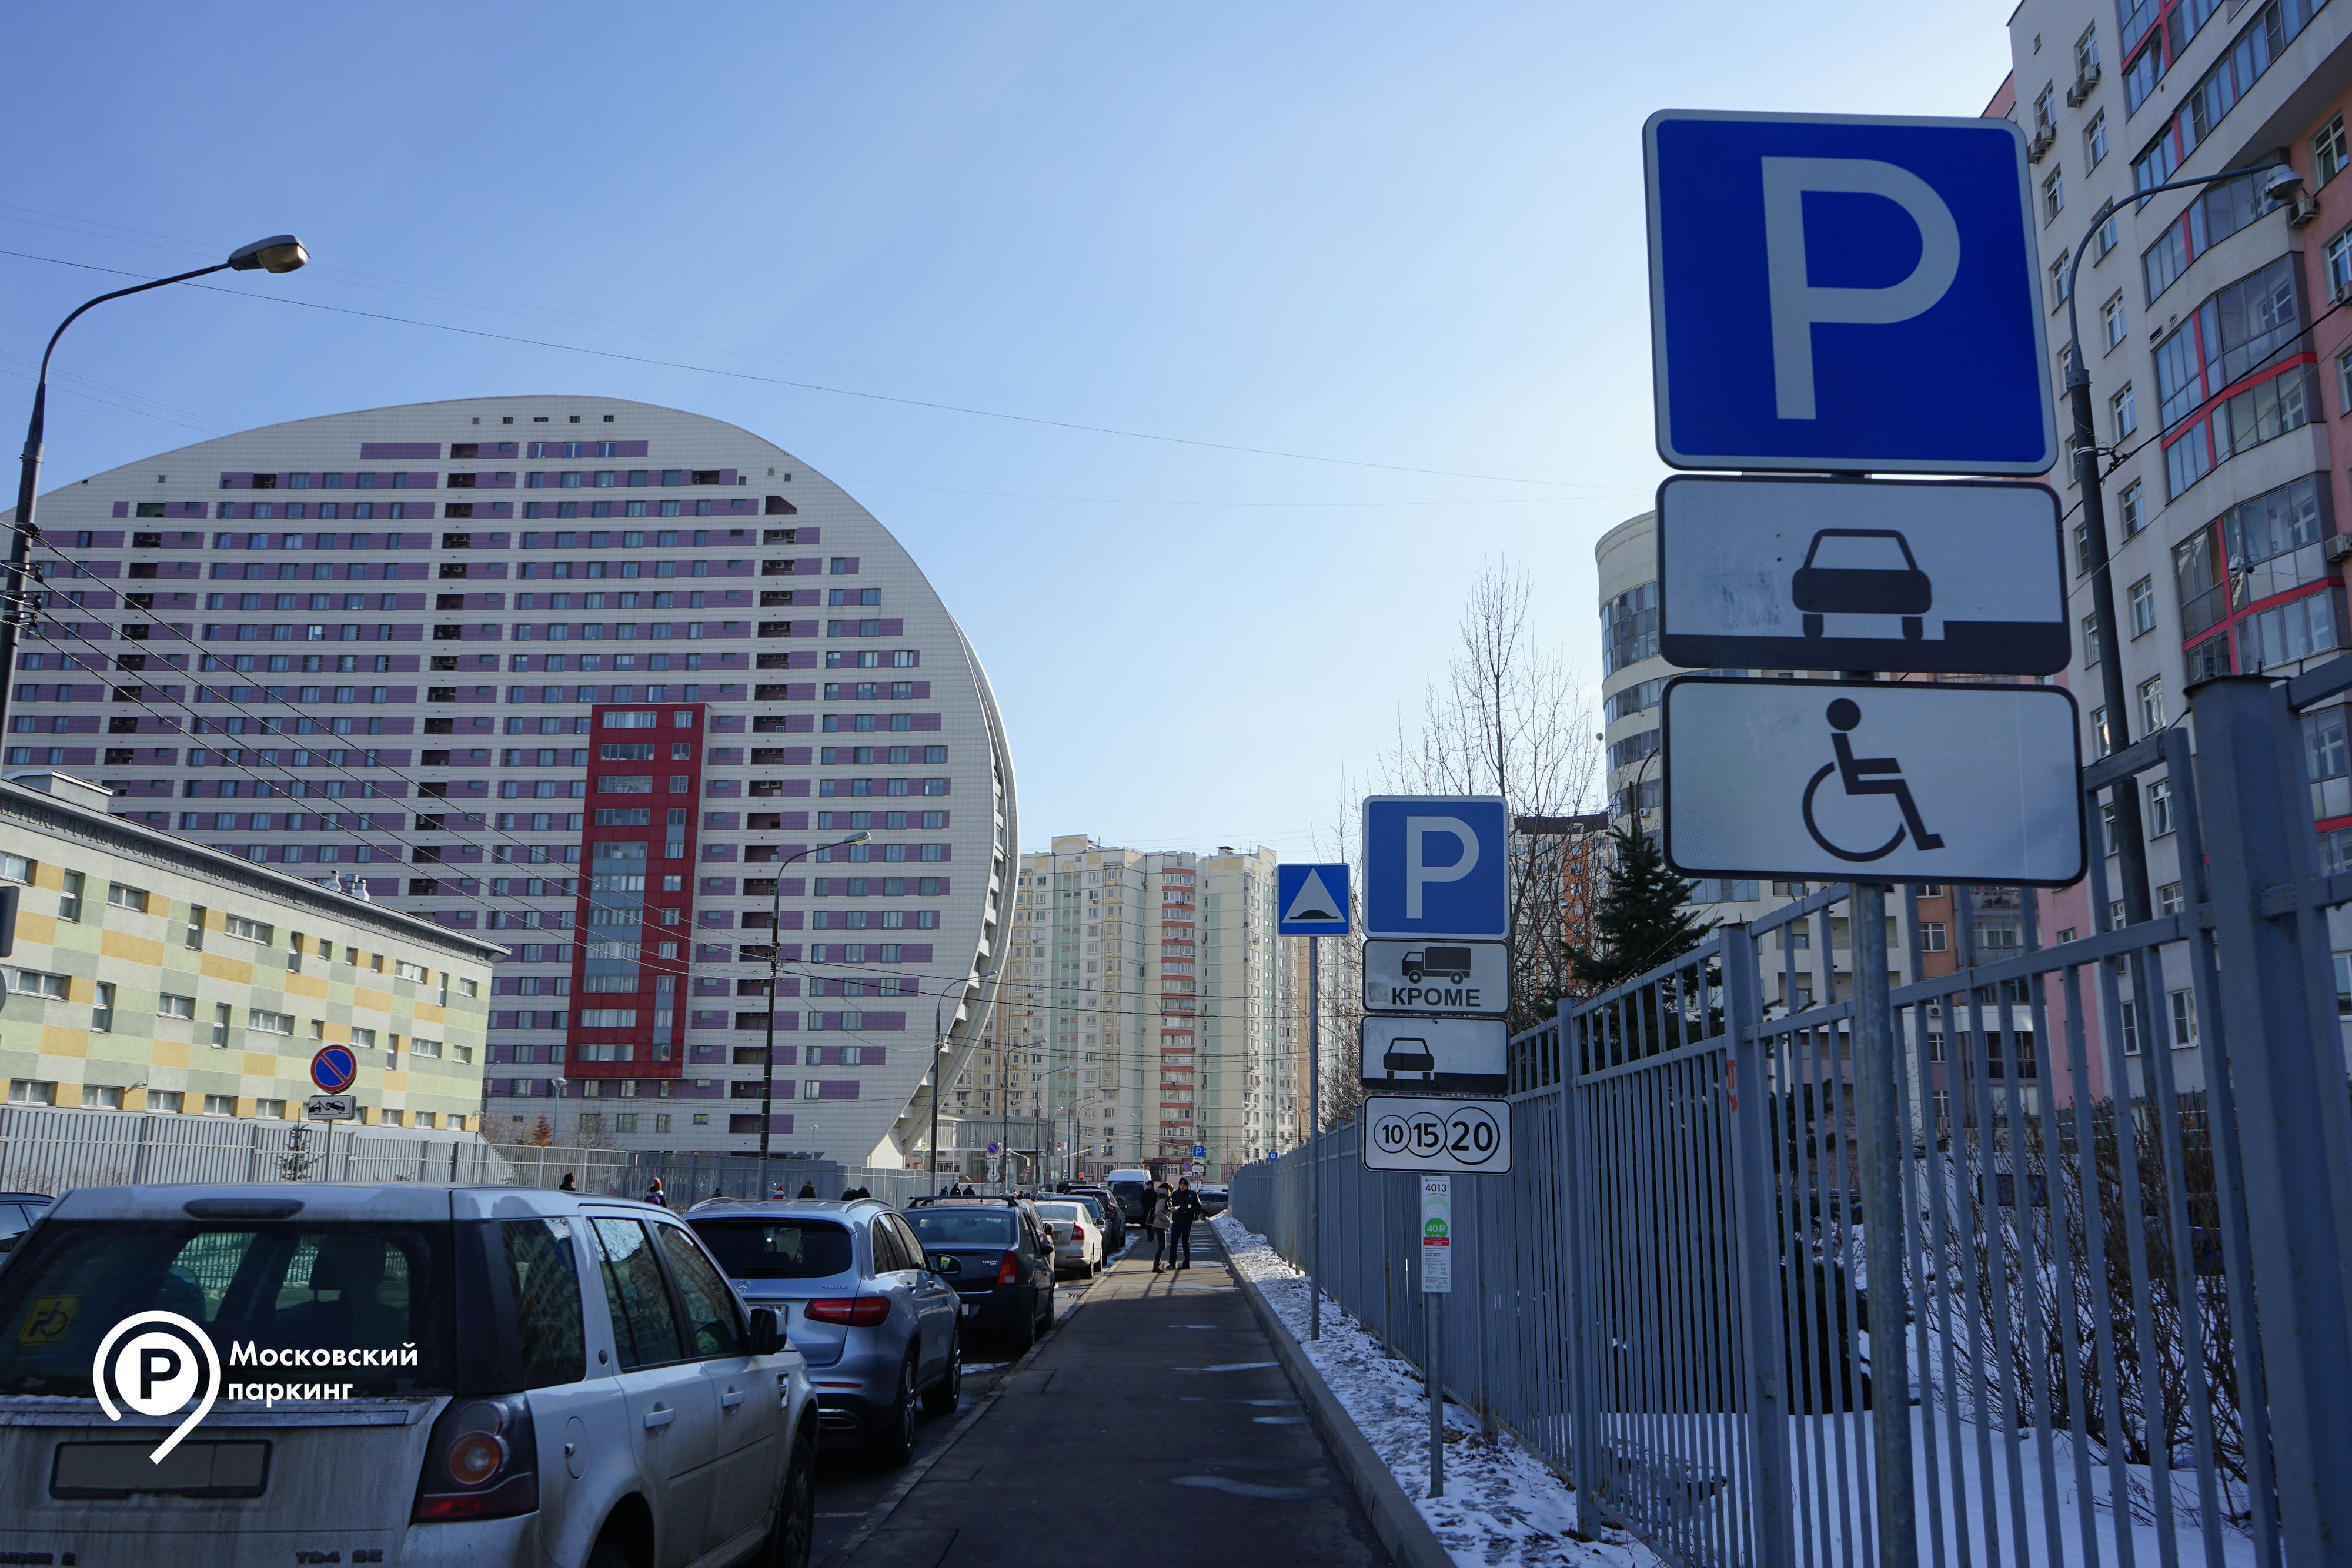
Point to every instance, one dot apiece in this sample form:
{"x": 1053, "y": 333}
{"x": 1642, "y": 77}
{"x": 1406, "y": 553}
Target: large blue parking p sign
{"x": 1437, "y": 865}
{"x": 1841, "y": 292}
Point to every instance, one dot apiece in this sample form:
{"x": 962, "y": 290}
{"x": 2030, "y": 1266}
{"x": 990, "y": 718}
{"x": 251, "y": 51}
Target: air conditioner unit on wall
{"x": 2336, "y": 546}
{"x": 2083, "y": 86}
{"x": 2304, "y": 209}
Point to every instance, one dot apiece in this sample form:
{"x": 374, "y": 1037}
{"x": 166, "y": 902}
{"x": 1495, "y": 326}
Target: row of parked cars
{"x": 420, "y": 1375}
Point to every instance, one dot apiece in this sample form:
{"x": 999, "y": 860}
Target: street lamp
{"x": 939, "y": 1047}
{"x": 279, "y": 253}
{"x": 2279, "y": 181}
{"x": 776, "y": 968}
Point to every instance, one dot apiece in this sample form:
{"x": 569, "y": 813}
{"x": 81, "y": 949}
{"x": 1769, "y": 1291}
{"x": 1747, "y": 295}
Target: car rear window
{"x": 776, "y": 1248}
{"x": 278, "y": 1286}
{"x": 963, "y": 1227}
{"x": 1128, "y": 1188}
{"x": 1068, "y": 1213}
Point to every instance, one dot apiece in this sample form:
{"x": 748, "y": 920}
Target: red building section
{"x": 635, "y": 911}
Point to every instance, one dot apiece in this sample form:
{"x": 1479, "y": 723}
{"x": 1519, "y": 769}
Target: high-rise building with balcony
{"x": 585, "y": 676}
{"x": 1139, "y": 1007}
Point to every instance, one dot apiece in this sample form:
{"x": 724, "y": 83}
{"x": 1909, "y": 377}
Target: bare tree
{"x": 1509, "y": 717}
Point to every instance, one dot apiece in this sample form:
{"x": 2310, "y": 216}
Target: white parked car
{"x": 407, "y": 1375}
{"x": 1078, "y": 1236}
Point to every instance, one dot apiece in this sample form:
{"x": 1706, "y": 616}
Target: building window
{"x": 220, "y": 1024}
{"x": 101, "y": 1009}
{"x": 2339, "y": 255}
{"x": 2058, "y": 282}
{"x": 2090, "y": 643}
{"x": 32, "y": 1091}
{"x": 2132, "y": 504}
{"x": 2106, "y": 240}
{"x": 2053, "y": 195}
{"x": 2143, "y": 606}
{"x": 2099, "y": 746}
{"x": 69, "y": 898}
{"x": 2151, "y": 704}
{"x": 2327, "y": 149}
{"x": 1931, "y": 936}
{"x": 2123, "y": 413}
{"x": 2095, "y": 140}
{"x": 126, "y": 897}
{"x": 2184, "y": 1016}
{"x": 220, "y": 1104}
{"x": 2112, "y": 322}
{"x": 2159, "y": 809}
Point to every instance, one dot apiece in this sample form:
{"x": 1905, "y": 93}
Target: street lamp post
{"x": 279, "y": 253}
{"x": 939, "y": 1049}
{"x": 775, "y": 971}
{"x": 2279, "y": 181}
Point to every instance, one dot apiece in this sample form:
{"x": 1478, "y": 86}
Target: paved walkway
{"x": 1154, "y": 1427}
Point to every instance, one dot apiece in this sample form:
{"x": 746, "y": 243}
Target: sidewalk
{"x": 1155, "y": 1427}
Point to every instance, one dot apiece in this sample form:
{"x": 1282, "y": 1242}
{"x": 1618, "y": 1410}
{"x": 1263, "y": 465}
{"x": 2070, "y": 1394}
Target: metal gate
{"x": 2121, "y": 1334}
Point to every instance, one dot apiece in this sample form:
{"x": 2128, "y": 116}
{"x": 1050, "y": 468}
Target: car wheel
{"x": 1025, "y": 1333}
{"x": 892, "y": 1442}
{"x": 793, "y": 1539}
{"x": 607, "y": 1554}
{"x": 942, "y": 1397}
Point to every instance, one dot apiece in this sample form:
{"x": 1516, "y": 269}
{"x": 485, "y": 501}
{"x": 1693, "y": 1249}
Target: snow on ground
{"x": 1502, "y": 1508}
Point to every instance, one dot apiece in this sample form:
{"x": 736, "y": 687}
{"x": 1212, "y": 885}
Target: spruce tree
{"x": 1640, "y": 922}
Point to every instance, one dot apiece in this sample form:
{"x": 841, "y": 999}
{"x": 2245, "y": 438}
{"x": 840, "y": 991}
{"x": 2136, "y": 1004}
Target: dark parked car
{"x": 1000, "y": 1264}
{"x": 17, "y": 1212}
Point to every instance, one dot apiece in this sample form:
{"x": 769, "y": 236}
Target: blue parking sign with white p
{"x": 1437, "y": 865}
{"x": 1845, "y": 292}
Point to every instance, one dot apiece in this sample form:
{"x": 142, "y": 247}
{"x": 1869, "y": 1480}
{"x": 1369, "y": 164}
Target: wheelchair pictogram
{"x": 1865, "y": 775}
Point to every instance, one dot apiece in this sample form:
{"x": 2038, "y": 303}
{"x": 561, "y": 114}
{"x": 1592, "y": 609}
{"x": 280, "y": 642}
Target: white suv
{"x": 406, "y": 1374}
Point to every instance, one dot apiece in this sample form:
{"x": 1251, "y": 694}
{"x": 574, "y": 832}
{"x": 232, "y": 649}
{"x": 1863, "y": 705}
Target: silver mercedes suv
{"x": 398, "y": 1375}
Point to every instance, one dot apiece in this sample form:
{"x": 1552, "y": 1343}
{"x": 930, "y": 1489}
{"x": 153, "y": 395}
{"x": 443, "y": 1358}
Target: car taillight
{"x": 1077, "y": 1233}
{"x": 481, "y": 1462}
{"x": 1008, "y": 1272}
{"x": 857, "y": 1312}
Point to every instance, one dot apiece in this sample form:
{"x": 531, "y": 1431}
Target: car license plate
{"x": 106, "y": 1471}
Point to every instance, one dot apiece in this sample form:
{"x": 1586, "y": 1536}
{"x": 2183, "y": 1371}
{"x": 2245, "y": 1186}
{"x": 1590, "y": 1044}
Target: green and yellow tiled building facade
{"x": 150, "y": 973}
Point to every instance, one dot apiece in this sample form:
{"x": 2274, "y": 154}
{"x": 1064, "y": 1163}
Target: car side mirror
{"x": 767, "y": 1331}
{"x": 946, "y": 1263}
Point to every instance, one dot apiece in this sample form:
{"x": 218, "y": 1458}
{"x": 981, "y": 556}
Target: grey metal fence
{"x": 2121, "y": 1334}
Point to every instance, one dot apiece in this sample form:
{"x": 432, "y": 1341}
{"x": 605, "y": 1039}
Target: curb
{"x": 1410, "y": 1542}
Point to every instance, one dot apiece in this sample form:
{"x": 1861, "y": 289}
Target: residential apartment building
{"x": 150, "y": 973}
{"x": 2216, "y": 344}
{"x": 591, "y": 678}
{"x": 1140, "y": 1006}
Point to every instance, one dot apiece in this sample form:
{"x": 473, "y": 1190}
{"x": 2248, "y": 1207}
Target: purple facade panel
{"x": 121, "y": 510}
{"x": 399, "y": 450}
{"x": 927, "y": 721}
{"x": 894, "y": 628}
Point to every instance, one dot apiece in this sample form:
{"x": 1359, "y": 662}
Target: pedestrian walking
{"x": 808, "y": 1189}
{"x": 655, "y": 1195}
{"x": 568, "y": 1185}
{"x": 1183, "y": 1209}
{"x": 1155, "y": 1222}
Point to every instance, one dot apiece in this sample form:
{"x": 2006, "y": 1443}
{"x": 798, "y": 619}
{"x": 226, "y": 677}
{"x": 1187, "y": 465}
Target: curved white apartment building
{"x": 584, "y": 676}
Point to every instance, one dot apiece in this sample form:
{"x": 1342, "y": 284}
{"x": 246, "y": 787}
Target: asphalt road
{"x": 849, "y": 1487}
{"x": 1155, "y": 1425}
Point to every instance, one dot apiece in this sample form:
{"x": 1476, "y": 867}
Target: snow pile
{"x": 1502, "y": 1508}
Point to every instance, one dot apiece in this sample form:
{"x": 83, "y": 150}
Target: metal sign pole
{"x": 1436, "y": 1284}
{"x": 1882, "y": 1229}
{"x": 1315, "y": 1137}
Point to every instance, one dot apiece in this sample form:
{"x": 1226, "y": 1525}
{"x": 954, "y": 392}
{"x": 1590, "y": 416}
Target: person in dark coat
{"x": 1182, "y": 1210}
{"x": 1154, "y": 1209}
{"x": 568, "y": 1185}
{"x": 808, "y": 1189}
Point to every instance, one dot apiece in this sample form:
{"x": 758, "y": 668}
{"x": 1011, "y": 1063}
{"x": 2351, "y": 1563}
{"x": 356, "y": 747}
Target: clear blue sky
{"x": 1400, "y": 235}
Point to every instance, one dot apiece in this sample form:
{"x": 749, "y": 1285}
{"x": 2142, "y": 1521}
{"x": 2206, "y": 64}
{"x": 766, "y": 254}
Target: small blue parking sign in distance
{"x": 333, "y": 1067}
{"x": 1310, "y": 900}
{"x": 1845, "y": 292}
{"x": 1437, "y": 865}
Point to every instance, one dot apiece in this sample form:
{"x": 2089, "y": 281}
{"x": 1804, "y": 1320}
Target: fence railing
{"x": 2121, "y": 1334}
{"x": 50, "y": 1150}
